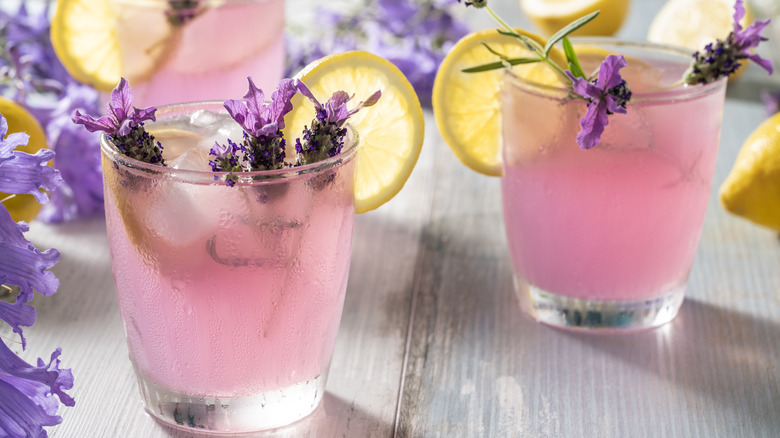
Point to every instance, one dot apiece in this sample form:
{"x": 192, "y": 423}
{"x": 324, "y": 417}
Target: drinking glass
{"x": 605, "y": 238}
{"x": 192, "y": 50}
{"x": 231, "y": 297}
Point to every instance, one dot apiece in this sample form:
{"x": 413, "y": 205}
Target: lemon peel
{"x": 752, "y": 188}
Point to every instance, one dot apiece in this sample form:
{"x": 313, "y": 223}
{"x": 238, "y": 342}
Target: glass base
{"x": 232, "y": 415}
{"x": 593, "y": 315}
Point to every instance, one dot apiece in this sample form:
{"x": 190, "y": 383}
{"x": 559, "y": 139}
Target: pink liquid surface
{"x": 211, "y": 56}
{"x": 620, "y": 221}
{"x": 221, "y": 294}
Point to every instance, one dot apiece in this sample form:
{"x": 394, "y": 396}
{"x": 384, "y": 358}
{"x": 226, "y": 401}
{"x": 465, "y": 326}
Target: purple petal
{"x": 609, "y": 71}
{"x": 338, "y": 99}
{"x": 121, "y": 101}
{"x": 26, "y": 173}
{"x": 303, "y": 89}
{"x": 105, "y": 123}
{"x": 764, "y": 63}
{"x": 372, "y": 100}
{"x": 592, "y": 125}
{"x": 584, "y": 88}
{"x": 739, "y": 13}
{"x": 125, "y": 127}
{"x": 237, "y": 111}
{"x": 751, "y": 36}
{"x": 21, "y": 264}
{"x": 57, "y": 380}
{"x": 255, "y": 100}
{"x": 142, "y": 115}
{"x": 771, "y": 100}
{"x": 20, "y": 415}
{"x": 16, "y": 315}
{"x": 281, "y": 102}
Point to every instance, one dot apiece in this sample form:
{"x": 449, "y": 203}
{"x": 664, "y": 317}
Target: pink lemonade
{"x": 231, "y": 296}
{"x": 607, "y": 236}
{"x": 178, "y": 51}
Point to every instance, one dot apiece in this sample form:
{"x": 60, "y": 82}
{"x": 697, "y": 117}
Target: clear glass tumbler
{"x": 192, "y": 50}
{"x": 605, "y": 238}
{"x": 231, "y": 297}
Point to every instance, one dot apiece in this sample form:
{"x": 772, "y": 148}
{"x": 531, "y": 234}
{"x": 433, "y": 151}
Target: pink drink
{"x": 231, "y": 296}
{"x": 607, "y": 236}
{"x": 190, "y": 53}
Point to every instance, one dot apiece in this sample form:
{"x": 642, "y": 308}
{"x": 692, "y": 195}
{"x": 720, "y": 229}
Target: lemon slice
{"x": 467, "y": 106}
{"x": 552, "y": 15}
{"x": 22, "y": 207}
{"x": 99, "y": 41}
{"x": 391, "y": 132}
{"x": 752, "y": 189}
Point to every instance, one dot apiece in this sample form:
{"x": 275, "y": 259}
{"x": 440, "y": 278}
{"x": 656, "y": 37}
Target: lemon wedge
{"x": 467, "y": 107}
{"x": 752, "y": 189}
{"x": 552, "y": 15}
{"x": 22, "y": 207}
{"x": 391, "y": 132}
{"x": 99, "y": 41}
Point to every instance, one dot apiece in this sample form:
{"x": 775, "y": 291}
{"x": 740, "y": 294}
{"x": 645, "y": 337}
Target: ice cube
{"x": 223, "y": 130}
{"x": 193, "y": 159}
{"x": 203, "y": 118}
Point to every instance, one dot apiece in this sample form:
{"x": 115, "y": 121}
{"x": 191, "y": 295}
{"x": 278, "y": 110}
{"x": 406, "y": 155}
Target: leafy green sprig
{"x": 542, "y": 53}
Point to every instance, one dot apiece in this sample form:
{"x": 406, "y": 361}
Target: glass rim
{"x": 683, "y": 92}
{"x": 207, "y": 177}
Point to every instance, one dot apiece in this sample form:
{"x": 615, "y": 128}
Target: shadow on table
{"x": 728, "y": 357}
{"x": 334, "y": 417}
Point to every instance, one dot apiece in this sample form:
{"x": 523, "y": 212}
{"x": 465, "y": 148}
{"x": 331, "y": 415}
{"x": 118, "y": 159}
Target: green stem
{"x": 528, "y": 42}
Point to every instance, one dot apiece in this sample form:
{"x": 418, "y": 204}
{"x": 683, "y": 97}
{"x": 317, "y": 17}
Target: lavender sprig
{"x": 27, "y": 392}
{"x": 325, "y": 138}
{"x": 264, "y": 143}
{"x": 124, "y": 125}
{"x": 722, "y": 58}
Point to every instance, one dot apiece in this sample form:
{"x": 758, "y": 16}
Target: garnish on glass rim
{"x": 263, "y": 146}
{"x": 719, "y": 59}
{"x": 124, "y": 125}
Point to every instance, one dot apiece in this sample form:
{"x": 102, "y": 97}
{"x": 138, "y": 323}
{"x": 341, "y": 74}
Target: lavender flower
{"x": 722, "y": 58}
{"x": 32, "y": 75}
{"x": 771, "y": 100}
{"x": 124, "y": 125}
{"x": 415, "y": 35}
{"x": 264, "y": 142}
{"x": 78, "y": 159}
{"x": 325, "y": 138}
{"x": 606, "y": 95}
{"x": 27, "y": 392}
{"x": 227, "y": 158}
{"x": 21, "y": 172}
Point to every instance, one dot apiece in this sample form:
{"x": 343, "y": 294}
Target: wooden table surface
{"x": 433, "y": 344}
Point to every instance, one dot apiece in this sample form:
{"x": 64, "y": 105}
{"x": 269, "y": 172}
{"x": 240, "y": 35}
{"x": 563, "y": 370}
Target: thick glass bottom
{"x": 232, "y": 415}
{"x": 594, "y": 315}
